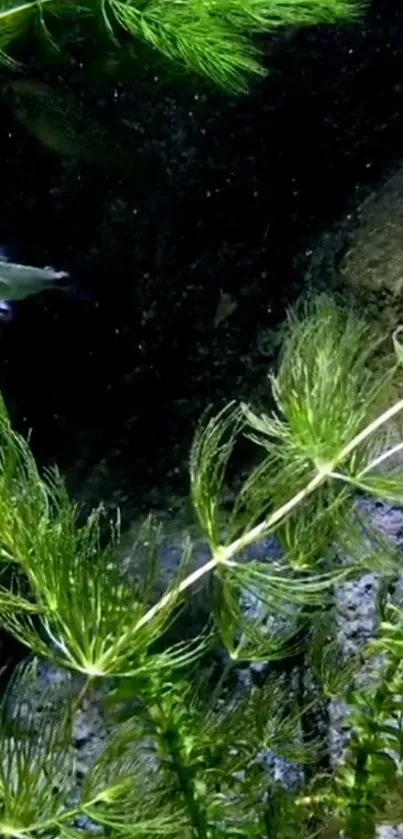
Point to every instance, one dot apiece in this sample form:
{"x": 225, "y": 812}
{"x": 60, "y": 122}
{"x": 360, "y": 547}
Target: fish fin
{"x": 6, "y": 312}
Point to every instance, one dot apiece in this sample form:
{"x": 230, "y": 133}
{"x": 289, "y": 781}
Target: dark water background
{"x": 125, "y": 374}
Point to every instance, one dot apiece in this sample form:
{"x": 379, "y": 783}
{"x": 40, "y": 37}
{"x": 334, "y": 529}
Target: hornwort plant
{"x": 186, "y": 760}
{"x": 216, "y": 40}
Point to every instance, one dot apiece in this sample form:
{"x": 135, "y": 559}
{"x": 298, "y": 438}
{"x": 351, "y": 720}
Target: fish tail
{"x": 56, "y": 275}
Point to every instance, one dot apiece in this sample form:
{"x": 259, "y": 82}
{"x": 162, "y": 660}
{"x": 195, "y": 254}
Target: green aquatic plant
{"x": 186, "y": 751}
{"x": 214, "y": 39}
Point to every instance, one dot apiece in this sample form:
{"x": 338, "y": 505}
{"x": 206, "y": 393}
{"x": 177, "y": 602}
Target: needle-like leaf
{"x": 213, "y": 38}
{"x": 92, "y": 617}
{"x": 36, "y": 763}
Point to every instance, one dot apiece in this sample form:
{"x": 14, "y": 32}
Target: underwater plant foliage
{"x": 215, "y": 40}
{"x": 179, "y": 762}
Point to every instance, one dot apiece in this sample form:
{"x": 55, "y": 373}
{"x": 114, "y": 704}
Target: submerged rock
{"x": 374, "y": 258}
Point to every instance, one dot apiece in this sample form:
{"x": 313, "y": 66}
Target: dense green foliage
{"x": 183, "y": 761}
{"x": 215, "y": 39}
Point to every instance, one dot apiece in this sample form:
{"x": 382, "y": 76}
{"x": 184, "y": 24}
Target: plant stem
{"x": 17, "y": 10}
{"x": 170, "y": 737}
{"x": 223, "y": 554}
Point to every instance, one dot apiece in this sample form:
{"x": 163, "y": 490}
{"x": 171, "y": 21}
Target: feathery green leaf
{"x": 213, "y": 38}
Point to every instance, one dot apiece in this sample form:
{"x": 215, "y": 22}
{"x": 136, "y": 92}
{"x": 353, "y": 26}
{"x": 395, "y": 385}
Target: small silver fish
{"x": 20, "y": 281}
